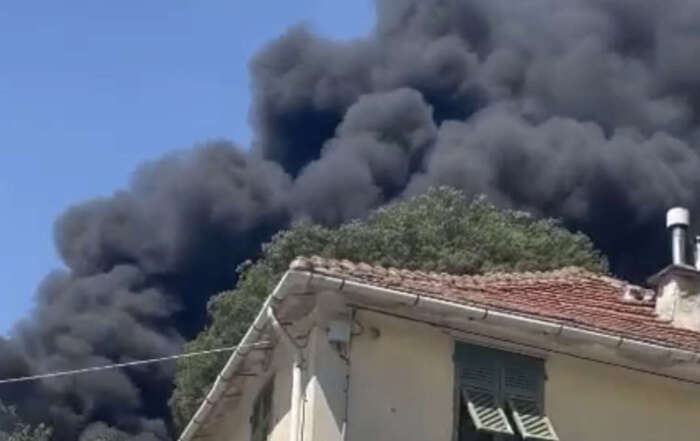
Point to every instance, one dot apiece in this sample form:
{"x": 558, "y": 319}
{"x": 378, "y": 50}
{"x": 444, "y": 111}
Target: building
{"x": 355, "y": 352}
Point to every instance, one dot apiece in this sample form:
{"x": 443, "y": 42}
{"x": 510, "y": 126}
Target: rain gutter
{"x": 385, "y": 298}
{"x": 244, "y": 347}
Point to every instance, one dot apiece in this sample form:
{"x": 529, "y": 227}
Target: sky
{"x": 91, "y": 88}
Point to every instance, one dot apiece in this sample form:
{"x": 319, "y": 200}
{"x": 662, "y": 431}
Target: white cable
{"x": 122, "y": 365}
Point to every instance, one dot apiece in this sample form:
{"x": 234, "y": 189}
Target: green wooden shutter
{"x": 530, "y": 420}
{"x": 479, "y": 372}
{"x": 523, "y": 384}
{"x": 485, "y": 412}
{"x": 523, "y": 376}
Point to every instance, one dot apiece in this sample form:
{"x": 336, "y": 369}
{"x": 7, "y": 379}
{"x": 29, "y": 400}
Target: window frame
{"x": 517, "y": 377}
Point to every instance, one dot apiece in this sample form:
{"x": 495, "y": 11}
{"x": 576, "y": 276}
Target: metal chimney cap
{"x": 677, "y": 216}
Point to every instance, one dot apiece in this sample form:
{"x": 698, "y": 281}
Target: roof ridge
{"x": 304, "y": 263}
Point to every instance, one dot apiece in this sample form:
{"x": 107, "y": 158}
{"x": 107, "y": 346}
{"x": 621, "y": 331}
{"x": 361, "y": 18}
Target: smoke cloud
{"x": 586, "y": 110}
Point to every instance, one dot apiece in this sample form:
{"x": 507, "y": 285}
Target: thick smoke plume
{"x": 588, "y": 110}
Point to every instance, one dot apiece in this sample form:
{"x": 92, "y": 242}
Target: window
{"x": 261, "y": 419}
{"x": 501, "y": 396}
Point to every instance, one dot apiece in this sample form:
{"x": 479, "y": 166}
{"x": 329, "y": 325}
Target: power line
{"x": 126, "y": 364}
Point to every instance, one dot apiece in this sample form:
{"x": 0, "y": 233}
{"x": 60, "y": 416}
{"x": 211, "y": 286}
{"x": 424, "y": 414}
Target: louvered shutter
{"x": 530, "y": 420}
{"x": 479, "y": 373}
{"x": 485, "y": 412}
{"x": 523, "y": 382}
{"x": 523, "y": 376}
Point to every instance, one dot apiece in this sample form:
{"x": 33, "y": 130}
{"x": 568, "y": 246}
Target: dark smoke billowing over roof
{"x": 585, "y": 110}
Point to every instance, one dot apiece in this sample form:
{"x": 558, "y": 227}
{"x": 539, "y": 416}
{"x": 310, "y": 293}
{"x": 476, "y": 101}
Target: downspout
{"x": 294, "y": 434}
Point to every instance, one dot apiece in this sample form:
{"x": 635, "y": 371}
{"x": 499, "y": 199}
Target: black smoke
{"x": 588, "y": 110}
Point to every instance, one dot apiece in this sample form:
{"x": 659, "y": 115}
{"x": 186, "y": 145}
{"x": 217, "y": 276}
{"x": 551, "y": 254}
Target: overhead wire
{"x": 125, "y": 364}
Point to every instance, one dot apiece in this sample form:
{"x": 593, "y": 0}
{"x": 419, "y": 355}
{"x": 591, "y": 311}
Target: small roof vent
{"x": 634, "y": 293}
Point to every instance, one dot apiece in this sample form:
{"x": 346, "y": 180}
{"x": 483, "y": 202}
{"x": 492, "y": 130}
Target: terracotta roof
{"x": 570, "y": 295}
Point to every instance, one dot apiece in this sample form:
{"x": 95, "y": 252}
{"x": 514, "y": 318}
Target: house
{"x": 351, "y": 351}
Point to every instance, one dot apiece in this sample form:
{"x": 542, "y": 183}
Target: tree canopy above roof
{"x": 440, "y": 230}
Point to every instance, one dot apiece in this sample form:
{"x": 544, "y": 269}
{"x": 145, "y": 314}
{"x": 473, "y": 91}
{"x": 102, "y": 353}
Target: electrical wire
{"x": 125, "y": 364}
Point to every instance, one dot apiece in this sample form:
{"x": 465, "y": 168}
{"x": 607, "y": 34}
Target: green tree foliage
{"x": 438, "y": 231}
{"x": 102, "y": 432}
{"x": 12, "y": 428}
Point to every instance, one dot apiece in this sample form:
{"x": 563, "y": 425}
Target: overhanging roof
{"x": 570, "y": 305}
{"x": 572, "y": 296}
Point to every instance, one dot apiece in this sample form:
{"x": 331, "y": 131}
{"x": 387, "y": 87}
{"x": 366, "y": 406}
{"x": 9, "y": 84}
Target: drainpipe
{"x": 296, "y": 373}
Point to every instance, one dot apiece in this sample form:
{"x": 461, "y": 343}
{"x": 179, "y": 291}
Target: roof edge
{"x": 386, "y": 298}
{"x": 289, "y": 280}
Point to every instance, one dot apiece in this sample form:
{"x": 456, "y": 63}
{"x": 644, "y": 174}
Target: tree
{"x": 12, "y": 428}
{"x": 438, "y": 231}
{"x": 102, "y": 432}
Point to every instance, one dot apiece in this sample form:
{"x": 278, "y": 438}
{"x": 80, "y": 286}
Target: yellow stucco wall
{"x": 235, "y": 425}
{"x": 592, "y": 401}
{"x": 324, "y": 407}
{"x": 401, "y": 382}
{"x": 402, "y": 388}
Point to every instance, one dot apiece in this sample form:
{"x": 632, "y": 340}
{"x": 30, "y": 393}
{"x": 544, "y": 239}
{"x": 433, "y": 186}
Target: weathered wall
{"x": 592, "y": 401}
{"x": 679, "y": 301}
{"x": 401, "y": 387}
{"x": 401, "y": 382}
{"x": 235, "y": 425}
{"x": 325, "y": 391}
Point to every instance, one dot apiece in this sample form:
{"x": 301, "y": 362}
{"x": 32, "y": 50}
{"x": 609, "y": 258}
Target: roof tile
{"x": 569, "y": 295}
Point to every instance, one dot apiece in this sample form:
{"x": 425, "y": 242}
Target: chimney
{"x": 677, "y": 221}
{"x": 678, "y": 285}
